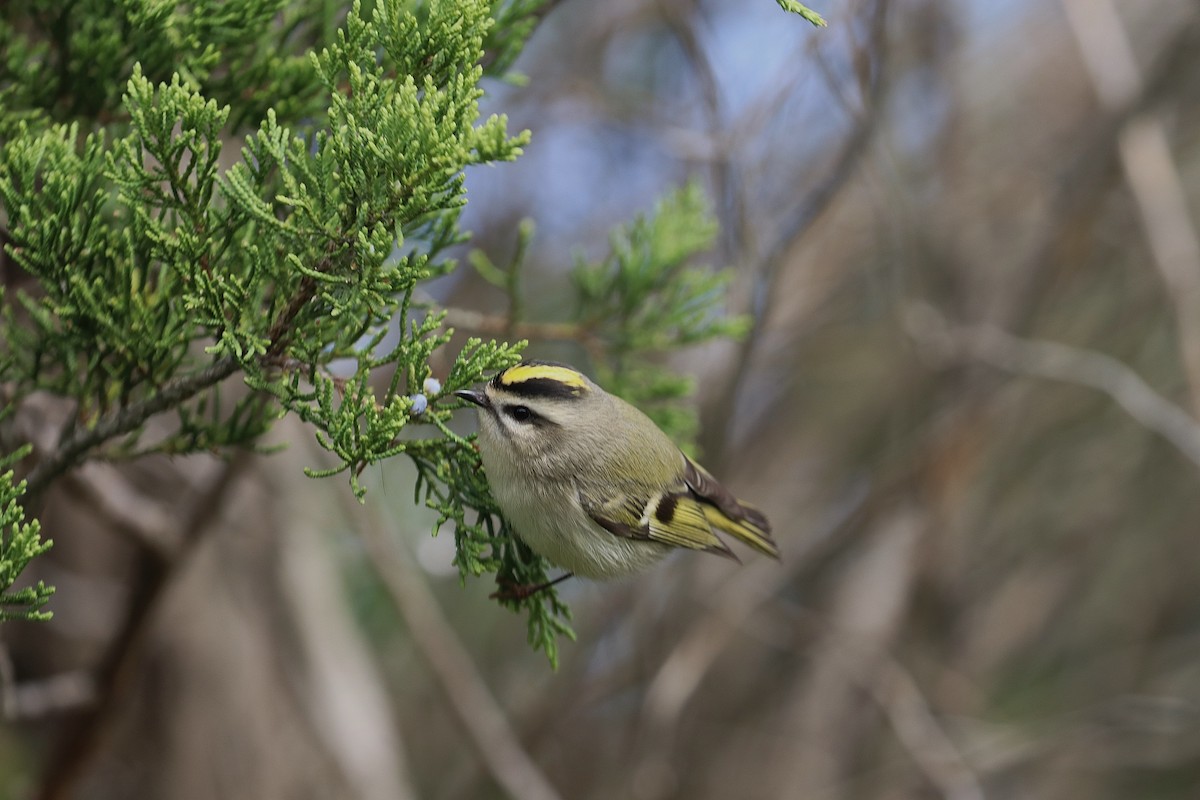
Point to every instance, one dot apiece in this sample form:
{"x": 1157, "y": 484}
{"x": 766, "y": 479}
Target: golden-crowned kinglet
{"x": 591, "y": 483}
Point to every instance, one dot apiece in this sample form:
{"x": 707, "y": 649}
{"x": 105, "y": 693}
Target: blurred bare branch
{"x": 767, "y": 266}
{"x": 498, "y": 325}
{"x": 116, "y": 673}
{"x": 8, "y": 683}
{"x": 859, "y": 629}
{"x": 477, "y": 710}
{"x": 683, "y": 18}
{"x": 1149, "y": 168}
{"x": 735, "y": 601}
{"x": 990, "y": 345}
{"x": 921, "y": 734}
{"x": 31, "y": 700}
{"x": 143, "y": 519}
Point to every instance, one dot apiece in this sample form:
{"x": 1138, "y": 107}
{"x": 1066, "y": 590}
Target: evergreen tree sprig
{"x": 794, "y": 7}
{"x": 645, "y": 300}
{"x": 20, "y": 543}
{"x": 156, "y": 275}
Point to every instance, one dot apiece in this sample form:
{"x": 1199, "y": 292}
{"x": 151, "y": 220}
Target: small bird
{"x": 591, "y": 483}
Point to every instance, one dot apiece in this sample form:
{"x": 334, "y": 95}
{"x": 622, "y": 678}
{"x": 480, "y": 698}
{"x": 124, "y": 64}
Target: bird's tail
{"x": 750, "y": 526}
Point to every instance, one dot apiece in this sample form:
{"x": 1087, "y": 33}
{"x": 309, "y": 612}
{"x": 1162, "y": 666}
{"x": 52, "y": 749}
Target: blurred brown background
{"x": 969, "y": 404}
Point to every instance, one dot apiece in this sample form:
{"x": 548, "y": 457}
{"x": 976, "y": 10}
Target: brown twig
{"x": 719, "y": 416}
{"x": 31, "y": 700}
{"x": 477, "y": 710}
{"x": 990, "y": 345}
{"x": 538, "y": 14}
{"x": 1150, "y": 171}
{"x": 142, "y": 519}
{"x": 682, "y": 18}
{"x": 70, "y": 691}
{"x": 8, "y": 685}
{"x": 115, "y": 674}
{"x": 682, "y": 672}
{"x": 125, "y": 420}
{"x": 500, "y": 326}
{"x": 917, "y": 729}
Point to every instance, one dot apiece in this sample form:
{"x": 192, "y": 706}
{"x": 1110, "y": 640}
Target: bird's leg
{"x": 517, "y": 591}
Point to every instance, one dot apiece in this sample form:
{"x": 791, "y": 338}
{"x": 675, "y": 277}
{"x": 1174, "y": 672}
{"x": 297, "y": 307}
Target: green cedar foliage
{"x": 643, "y": 300}
{"x": 794, "y": 7}
{"x": 153, "y": 267}
{"x": 152, "y": 272}
{"x": 20, "y": 542}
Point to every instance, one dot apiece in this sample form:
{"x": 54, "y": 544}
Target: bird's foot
{"x": 521, "y": 591}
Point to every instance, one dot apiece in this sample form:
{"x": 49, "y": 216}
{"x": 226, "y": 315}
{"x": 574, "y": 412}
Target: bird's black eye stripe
{"x": 519, "y": 413}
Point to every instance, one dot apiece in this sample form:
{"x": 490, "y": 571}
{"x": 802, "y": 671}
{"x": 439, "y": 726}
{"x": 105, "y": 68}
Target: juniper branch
{"x": 496, "y": 325}
{"x": 126, "y": 420}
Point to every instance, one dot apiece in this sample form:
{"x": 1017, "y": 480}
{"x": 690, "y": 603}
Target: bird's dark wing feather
{"x": 728, "y": 514}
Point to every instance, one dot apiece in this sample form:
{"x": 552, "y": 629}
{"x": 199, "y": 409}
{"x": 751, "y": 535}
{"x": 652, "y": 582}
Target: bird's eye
{"x": 519, "y": 413}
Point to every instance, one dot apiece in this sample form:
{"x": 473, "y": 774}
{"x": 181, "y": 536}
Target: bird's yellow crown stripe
{"x": 550, "y": 372}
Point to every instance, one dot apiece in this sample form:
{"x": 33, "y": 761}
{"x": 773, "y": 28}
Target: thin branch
{"x": 8, "y": 685}
{"x": 501, "y": 326}
{"x": 480, "y": 715}
{"x": 129, "y": 418}
{"x": 736, "y": 601}
{"x": 769, "y": 267}
{"x": 683, "y": 670}
{"x": 1085, "y": 176}
{"x": 512, "y": 277}
{"x": 1060, "y": 362}
{"x": 143, "y": 519}
{"x": 873, "y": 667}
{"x": 116, "y": 673}
{"x": 277, "y": 336}
{"x": 683, "y": 18}
{"x": 842, "y": 169}
{"x": 537, "y": 15}
{"x": 1150, "y": 170}
{"x": 65, "y": 692}
{"x": 126, "y": 420}
{"x": 920, "y": 733}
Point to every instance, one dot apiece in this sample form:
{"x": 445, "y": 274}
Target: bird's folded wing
{"x": 674, "y": 518}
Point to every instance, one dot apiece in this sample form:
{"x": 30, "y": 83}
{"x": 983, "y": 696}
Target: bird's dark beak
{"x": 478, "y": 398}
